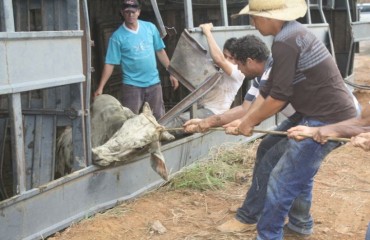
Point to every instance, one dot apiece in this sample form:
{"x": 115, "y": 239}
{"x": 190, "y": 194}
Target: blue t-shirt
{"x": 135, "y": 52}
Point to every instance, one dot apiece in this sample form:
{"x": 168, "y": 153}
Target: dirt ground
{"x": 341, "y": 204}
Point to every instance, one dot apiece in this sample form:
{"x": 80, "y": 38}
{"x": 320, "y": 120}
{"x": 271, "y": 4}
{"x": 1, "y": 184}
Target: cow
{"x": 117, "y": 136}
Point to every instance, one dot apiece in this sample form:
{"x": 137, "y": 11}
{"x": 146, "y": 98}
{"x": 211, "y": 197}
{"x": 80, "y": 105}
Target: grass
{"x": 221, "y": 166}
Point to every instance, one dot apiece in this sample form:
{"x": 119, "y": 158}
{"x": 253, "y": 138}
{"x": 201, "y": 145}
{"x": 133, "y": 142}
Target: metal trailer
{"x": 45, "y": 85}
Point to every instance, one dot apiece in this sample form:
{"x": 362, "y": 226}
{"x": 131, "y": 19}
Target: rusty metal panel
{"x": 189, "y": 63}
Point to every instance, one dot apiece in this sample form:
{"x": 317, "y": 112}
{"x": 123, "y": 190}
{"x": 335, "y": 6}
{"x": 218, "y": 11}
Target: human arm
{"x": 203, "y": 125}
{"x": 107, "y": 72}
{"x": 260, "y": 110}
{"x": 347, "y": 128}
{"x": 165, "y": 61}
{"x": 215, "y": 52}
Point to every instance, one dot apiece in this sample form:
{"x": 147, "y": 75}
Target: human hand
{"x": 98, "y": 92}
{"x": 232, "y": 128}
{"x": 301, "y": 132}
{"x": 196, "y": 125}
{"x": 206, "y": 28}
{"x": 174, "y": 82}
{"x": 362, "y": 140}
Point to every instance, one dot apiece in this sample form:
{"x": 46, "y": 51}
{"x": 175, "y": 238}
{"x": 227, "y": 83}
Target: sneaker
{"x": 234, "y": 225}
{"x": 293, "y": 234}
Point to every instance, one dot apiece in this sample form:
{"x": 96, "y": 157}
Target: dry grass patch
{"x": 229, "y": 162}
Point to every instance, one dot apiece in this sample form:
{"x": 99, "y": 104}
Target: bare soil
{"x": 341, "y": 200}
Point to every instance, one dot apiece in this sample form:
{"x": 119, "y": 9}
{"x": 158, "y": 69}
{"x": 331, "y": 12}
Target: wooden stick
{"x": 268, "y": 132}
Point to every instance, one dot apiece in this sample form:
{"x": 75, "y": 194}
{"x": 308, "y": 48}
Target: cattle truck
{"x": 51, "y": 57}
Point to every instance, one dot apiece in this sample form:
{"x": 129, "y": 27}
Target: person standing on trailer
{"x": 134, "y": 46}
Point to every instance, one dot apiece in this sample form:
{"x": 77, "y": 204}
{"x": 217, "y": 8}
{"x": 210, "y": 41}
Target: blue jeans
{"x": 292, "y": 178}
{"x": 269, "y": 152}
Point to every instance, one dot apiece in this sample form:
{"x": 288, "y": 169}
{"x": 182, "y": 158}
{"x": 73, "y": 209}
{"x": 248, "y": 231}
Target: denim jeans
{"x": 269, "y": 152}
{"x": 292, "y": 178}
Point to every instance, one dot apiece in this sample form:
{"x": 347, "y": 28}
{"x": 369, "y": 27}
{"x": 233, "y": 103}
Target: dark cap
{"x": 132, "y": 5}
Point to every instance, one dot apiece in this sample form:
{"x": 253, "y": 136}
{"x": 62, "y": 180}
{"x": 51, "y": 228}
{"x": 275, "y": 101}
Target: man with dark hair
{"x": 258, "y": 69}
{"x": 250, "y": 52}
{"x": 254, "y": 61}
{"x": 134, "y": 46}
{"x": 305, "y": 75}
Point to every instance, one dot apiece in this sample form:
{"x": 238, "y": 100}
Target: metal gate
{"x": 41, "y": 88}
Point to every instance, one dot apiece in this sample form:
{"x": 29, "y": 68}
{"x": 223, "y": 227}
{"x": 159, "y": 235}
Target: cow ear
{"x": 146, "y": 109}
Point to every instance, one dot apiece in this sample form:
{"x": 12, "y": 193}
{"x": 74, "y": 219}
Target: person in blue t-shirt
{"x": 134, "y": 46}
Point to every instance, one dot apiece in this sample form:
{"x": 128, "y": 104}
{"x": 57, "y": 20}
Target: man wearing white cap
{"x": 305, "y": 75}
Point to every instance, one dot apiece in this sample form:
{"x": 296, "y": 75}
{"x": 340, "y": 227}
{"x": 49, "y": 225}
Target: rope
{"x": 268, "y": 132}
{"x": 158, "y": 128}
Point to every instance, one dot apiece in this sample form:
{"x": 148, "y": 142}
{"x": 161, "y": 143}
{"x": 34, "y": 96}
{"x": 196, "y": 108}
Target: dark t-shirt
{"x": 305, "y": 74}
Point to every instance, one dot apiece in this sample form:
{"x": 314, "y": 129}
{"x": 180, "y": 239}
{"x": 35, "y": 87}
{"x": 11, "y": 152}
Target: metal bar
{"x": 16, "y": 117}
{"x": 351, "y": 45}
{"x": 8, "y": 16}
{"x": 29, "y": 140}
{"x": 189, "y": 22}
{"x": 322, "y": 12}
{"x": 158, "y": 17}
{"x": 88, "y": 80}
{"x": 224, "y": 15}
{"x": 3, "y": 134}
{"x": 17, "y": 143}
{"x": 78, "y": 129}
{"x": 67, "y": 112}
{"x": 41, "y": 35}
{"x": 308, "y": 16}
{"x": 38, "y": 149}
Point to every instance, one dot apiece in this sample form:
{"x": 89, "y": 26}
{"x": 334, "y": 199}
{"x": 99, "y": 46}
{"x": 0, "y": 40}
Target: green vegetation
{"x": 222, "y": 165}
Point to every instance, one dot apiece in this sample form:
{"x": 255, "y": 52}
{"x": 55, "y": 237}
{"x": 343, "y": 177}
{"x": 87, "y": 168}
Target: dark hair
{"x": 125, "y": 5}
{"x": 252, "y": 47}
{"x": 230, "y": 44}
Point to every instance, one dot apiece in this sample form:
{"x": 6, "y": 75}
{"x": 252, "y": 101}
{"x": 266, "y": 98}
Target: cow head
{"x": 138, "y": 134}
